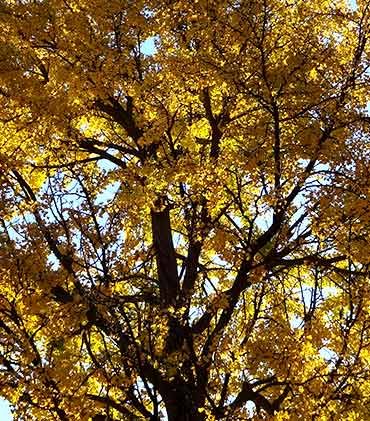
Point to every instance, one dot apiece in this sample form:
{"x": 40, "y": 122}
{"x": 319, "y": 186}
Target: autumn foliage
{"x": 184, "y": 212}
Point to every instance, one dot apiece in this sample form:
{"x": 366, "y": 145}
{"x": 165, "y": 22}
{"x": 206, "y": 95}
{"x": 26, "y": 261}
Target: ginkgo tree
{"x": 185, "y": 230}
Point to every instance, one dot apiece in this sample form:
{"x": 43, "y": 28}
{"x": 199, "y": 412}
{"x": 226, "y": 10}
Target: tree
{"x": 185, "y": 210}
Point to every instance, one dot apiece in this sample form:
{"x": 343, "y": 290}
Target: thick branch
{"x": 192, "y": 262}
{"x": 216, "y": 132}
{"x": 124, "y": 117}
{"x": 166, "y": 257}
{"x": 110, "y": 402}
{"x": 248, "y": 394}
{"x": 90, "y": 147}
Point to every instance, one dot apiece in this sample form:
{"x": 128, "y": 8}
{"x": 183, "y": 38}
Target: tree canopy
{"x": 184, "y": 213}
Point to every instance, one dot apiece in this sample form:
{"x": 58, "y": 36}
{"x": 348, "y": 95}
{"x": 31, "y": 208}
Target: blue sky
{"x": 5, "y": 414}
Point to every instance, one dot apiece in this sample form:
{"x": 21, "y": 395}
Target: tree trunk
{"x": 183, "y": 404}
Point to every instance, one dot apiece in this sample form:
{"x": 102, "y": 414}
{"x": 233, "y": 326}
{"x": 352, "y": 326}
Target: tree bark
{"x": 183, "y": 404}
{"x": 166, "y": 257}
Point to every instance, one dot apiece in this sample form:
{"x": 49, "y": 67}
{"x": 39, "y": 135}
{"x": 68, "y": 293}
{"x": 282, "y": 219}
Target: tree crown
{"x": 184, "y": 229}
